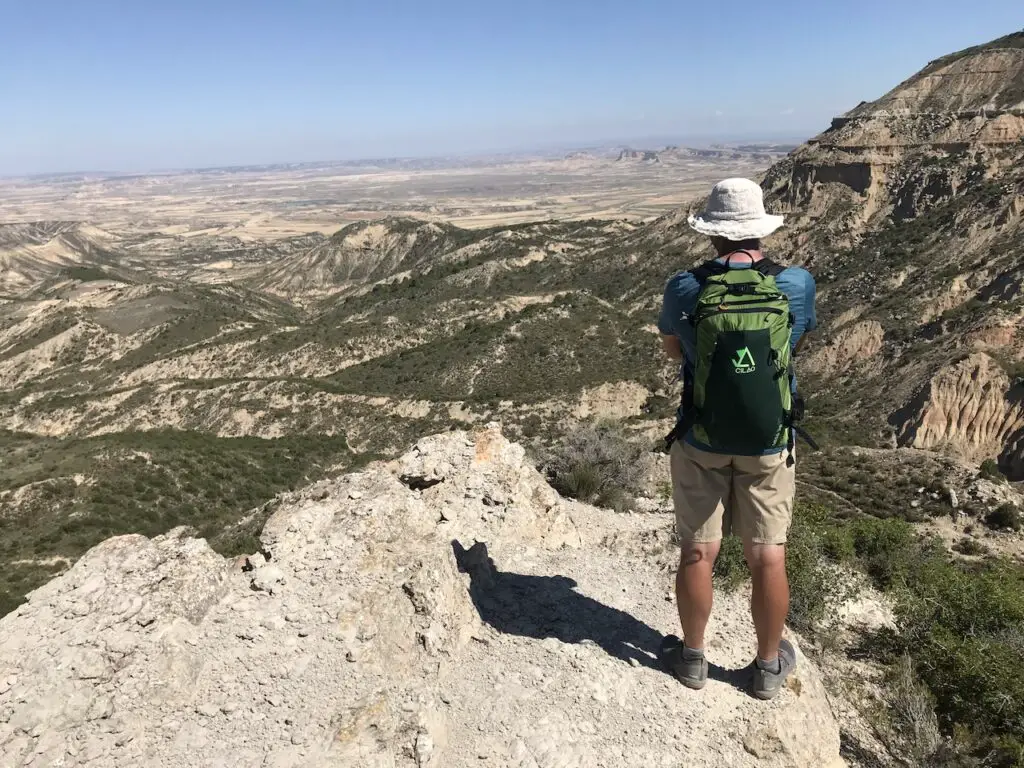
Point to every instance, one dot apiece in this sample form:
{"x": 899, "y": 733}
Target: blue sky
{"x": 92, "y": 84}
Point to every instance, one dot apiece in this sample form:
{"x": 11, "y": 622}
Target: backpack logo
{"x": 744, "y": 361}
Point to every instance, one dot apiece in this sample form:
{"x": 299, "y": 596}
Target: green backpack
{"x": 742, "y": 398}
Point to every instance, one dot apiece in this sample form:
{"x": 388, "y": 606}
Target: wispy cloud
{"x": 788, "y": 111}
{"x": 719, "y": 113}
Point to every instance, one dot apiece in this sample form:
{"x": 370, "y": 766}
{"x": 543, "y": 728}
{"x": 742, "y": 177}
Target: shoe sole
{"x": 768, "y": 695}
{"x": 691, "y": 683}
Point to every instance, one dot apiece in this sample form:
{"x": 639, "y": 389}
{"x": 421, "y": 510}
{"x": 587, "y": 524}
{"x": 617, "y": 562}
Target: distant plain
{"x": 278, "y": 201}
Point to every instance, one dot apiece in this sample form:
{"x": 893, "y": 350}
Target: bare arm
{"x": 670, "y": 344}
{"x": 800, "y": 343}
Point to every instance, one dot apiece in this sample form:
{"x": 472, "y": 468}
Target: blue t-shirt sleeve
{"x": 666, "y": 323}
{"x": 810, "y": 294}
{"x": 798, "y": 285}
{"x": 680, "y": 300}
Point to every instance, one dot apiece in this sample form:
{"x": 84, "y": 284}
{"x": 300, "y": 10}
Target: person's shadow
{"x": 549, "y": 606}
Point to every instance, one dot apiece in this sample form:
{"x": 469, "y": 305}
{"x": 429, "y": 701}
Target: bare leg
{"x": 694, "y": 592}
{"x": 769, "y": 601}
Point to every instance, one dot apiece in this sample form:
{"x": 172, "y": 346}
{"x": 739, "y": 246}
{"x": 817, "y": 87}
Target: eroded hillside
{"x": 908, "y": 210}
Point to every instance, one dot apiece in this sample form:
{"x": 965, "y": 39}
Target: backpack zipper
{"x": 740, "y": 311}
{"x": 759, "y": 297}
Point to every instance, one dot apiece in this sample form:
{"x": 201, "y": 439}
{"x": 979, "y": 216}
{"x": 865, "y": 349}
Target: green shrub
{"x": 837, "y": 545}
{"x": 990, "y": 470}
{"x": 731, "y": 567}
{"x": 614, "y": 498}
{"x": 531, "y": 426}
{"x": 814, "y": 584}
{"x": 883, "y": 548}
{"x": 969, "y": 546}
{"x": 960, "y": 625}
{"x": 193, "y": 479}
{"x": 664, "y": 491}
{"x": 885, "y": 489}
{"x": 1006, "y": 516}
{"x": 963, "y": 626}
{"x": 581, "y": 480}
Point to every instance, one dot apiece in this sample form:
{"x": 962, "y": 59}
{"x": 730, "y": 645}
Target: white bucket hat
{"x": 735, "y": 211}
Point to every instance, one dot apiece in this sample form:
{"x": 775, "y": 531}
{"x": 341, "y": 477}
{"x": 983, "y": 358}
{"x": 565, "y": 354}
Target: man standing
{"x": 735, "y": 323}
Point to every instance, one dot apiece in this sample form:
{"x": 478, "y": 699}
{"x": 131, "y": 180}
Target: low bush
{"x": 963, "y": 626}
{"x": 911, "y": 728}
{"x": 969, "y": 546}
{"x": 730, "y": 567}
{"x": 813, "y": 583}
{"x": 1006, "y": 516}
{"x": 911, "y": 489}
{"x": 580, "y": 480}
{"x": 990, "y": 470}
{"x": 597, "y": 464}
{"x": 664, "y": 491}
{"x": 880, "y": 548}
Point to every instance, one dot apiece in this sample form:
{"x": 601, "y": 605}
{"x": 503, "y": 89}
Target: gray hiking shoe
{"x": 768, "y": 684}
{"x": 693, "y": 673}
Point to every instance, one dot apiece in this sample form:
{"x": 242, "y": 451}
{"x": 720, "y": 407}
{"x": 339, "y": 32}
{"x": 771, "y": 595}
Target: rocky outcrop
{"x": 644, "y": 155}
{"x": 906, "y": 211}
{"x": 852, "y": 345}
{"x": 972, "y": 100}
{"x": 445, "y": 609}
{"x": 617, "y": 401}
{"x": 969, "y": 407}
{"x": 969, "y": 98}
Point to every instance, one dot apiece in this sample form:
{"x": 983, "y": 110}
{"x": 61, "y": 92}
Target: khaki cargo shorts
{"x": 716, "y": 494}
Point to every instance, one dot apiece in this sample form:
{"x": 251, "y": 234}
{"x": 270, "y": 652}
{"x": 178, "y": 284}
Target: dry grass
{"x": 912, "y": 729}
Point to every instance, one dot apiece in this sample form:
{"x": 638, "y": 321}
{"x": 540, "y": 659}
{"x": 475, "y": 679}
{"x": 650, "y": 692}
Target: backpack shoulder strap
{"x": 769, "y": 268}
{"x": 714, "y": 267}
{"x": 707, "y": 269}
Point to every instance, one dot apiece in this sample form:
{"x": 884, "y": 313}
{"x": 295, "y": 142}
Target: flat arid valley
{"x": 362, "y": 463}
{"x": 260, "y": 202}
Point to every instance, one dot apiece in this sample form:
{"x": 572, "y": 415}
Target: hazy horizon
{"x": 522, "y": 152}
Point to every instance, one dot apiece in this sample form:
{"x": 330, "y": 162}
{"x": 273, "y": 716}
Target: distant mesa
{"x": 674, "y": 154}
{"x": 581, "y": 154}
{"x": 922, "y": 191}
{"x": 644, "y": 155}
